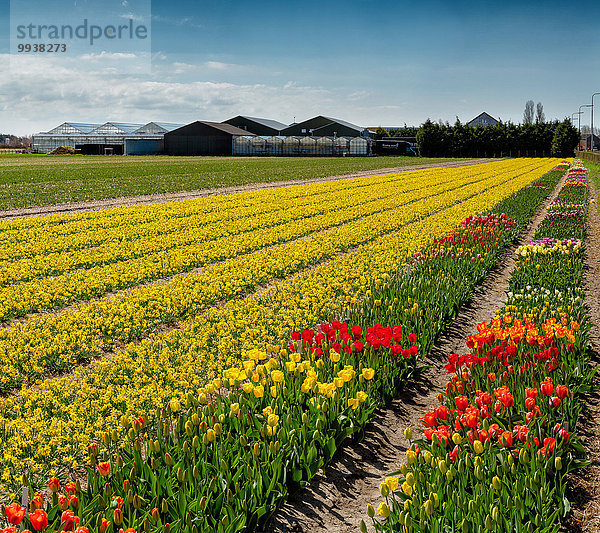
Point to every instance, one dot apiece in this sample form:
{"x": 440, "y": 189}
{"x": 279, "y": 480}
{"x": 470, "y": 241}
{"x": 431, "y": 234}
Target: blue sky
{"x": 371, "y": 62}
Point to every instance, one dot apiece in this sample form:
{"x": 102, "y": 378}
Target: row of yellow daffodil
{"x": 49, "y": 341}
{"x": 52, "y": 422}
{"x": 29, "y": 237}
{"x": 231, "y": 457}
{"x": 73, "y": 233}
{"x": 127, "y": 264}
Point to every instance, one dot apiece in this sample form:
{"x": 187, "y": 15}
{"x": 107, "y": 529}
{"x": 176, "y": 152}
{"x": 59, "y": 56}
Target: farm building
{"x": 257, "y": 126}
{"x": 109, "y": 138}
{"x": 322, "y": 126}
{"x": 301, "y": 146}
{"x": 483, "y": 119}
{"x": 202, "y": 138}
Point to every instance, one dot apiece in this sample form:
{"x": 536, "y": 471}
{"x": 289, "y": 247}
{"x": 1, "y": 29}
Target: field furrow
{"x": 52, "y": 422}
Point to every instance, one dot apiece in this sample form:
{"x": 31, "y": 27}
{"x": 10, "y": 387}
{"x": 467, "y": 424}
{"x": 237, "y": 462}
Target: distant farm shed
{"x": 258, "y": 126}
{"x": 322, "y": 126}
{"x": 483, "y": 119}
{"x": 202, "y": 138}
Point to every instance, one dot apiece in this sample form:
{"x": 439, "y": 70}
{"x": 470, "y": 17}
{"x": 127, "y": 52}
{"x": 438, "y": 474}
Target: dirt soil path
{"x": 584, "y": 490}
{"x": 56, "y": 209}
{"x": 337, "y": 498}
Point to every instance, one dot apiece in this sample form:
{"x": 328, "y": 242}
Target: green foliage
{"x": 503, "y": 139}
{"x": 27, "y": 180}
{"x": 565, "y": 139}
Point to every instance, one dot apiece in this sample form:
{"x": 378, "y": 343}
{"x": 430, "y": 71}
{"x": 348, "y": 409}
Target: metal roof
{"x": 169, "y": 126}
{"x": 265, "y": 122}
{"x": 344, "y": 123}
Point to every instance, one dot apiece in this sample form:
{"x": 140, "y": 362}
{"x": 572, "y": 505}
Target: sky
{"x": 370, "y": 62}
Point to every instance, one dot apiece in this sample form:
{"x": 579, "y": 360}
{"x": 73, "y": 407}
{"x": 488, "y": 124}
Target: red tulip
{"x": 506, "y": 439}
{"x": 38, "y": 519}
{"x": 118, "y": 517}
{"x": 104, "y": 525}
{"x": 15, "y": 513}
{"x": 547, "y": 387}
{"x": 82, "y": 529}
{"x": 529, "y": 403}
{"x": 104, "y": 469}
{"x": 54, "y": 484}
{"x": 69, "y": 520}
{"x": 63, "y": 502}
{"x": 562, "y": 391}
{"x": 531, "y": 393}
{"x": 555, "y": 402}
{"x": 462, "y": 402}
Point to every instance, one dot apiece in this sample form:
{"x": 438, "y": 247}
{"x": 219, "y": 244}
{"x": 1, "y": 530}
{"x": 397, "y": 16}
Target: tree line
{"x": 539, "y": 139}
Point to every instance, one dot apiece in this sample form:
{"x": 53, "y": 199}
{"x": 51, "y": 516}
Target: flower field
{"x": 206, "y": 426}
{"x": 497, "y": 449}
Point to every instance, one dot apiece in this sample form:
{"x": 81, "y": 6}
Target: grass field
{"x": 27, "y": 180}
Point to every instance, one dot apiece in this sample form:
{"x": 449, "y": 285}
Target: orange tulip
{"x": 54, "y": 484}
{"x": 104, "y": 469}
{"x": 38, "y": 519}
{"x": 15, "y": 514}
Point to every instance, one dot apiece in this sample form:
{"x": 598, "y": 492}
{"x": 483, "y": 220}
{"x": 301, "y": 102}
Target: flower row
{"x": 497, "y": 449}
{"x": 193, "y": 251}
{"x": 52, "y": 423}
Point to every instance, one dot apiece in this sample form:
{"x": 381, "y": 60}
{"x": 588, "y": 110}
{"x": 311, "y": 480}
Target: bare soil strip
{"x": 337, "y": 498}
{"x": 584, "y": 489}
{"x": 56, "y": 209}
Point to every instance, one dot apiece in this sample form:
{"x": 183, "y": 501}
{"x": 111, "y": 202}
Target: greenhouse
{"x": 300, "y": 146}
{"x": 115, "y": 138}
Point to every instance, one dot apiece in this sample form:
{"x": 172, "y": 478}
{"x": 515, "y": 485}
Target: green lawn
{"x": 27, "y": 180}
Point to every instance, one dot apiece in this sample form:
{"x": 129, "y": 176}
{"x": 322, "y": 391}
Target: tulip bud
{"x": 370, "y": 511}
{"x": 118, "y": 517}
{"x": 155, "y": 514}
{"x": 384, "y": 489}
{"x": 428, "y": 506}
{"x": 168, "y": 459}
{"x": 165, "y": 506}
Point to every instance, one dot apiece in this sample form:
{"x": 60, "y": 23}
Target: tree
{"x": 565, "y": 139}
{"x": 528, "y": 113}
{"x": 539, "y": 113}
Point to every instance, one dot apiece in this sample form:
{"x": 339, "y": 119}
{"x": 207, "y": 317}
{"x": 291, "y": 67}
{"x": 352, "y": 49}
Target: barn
{"x": 258, "y": 126}
{"x": 322, "y": 126}
{"x": 202, "y": 138}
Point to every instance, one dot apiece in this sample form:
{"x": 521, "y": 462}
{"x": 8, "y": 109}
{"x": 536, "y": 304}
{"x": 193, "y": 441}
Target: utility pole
{"x": 592, "y": 120}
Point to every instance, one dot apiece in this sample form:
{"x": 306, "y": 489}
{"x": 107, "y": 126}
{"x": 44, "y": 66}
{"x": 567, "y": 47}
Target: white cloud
{"x": 44, "y": 92}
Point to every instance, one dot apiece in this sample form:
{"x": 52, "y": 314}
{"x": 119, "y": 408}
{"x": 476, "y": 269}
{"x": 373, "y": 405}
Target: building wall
{"x": 198, "y": 144}
{"x": 46, "y": 143}
{"x": 143, "y": 146}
